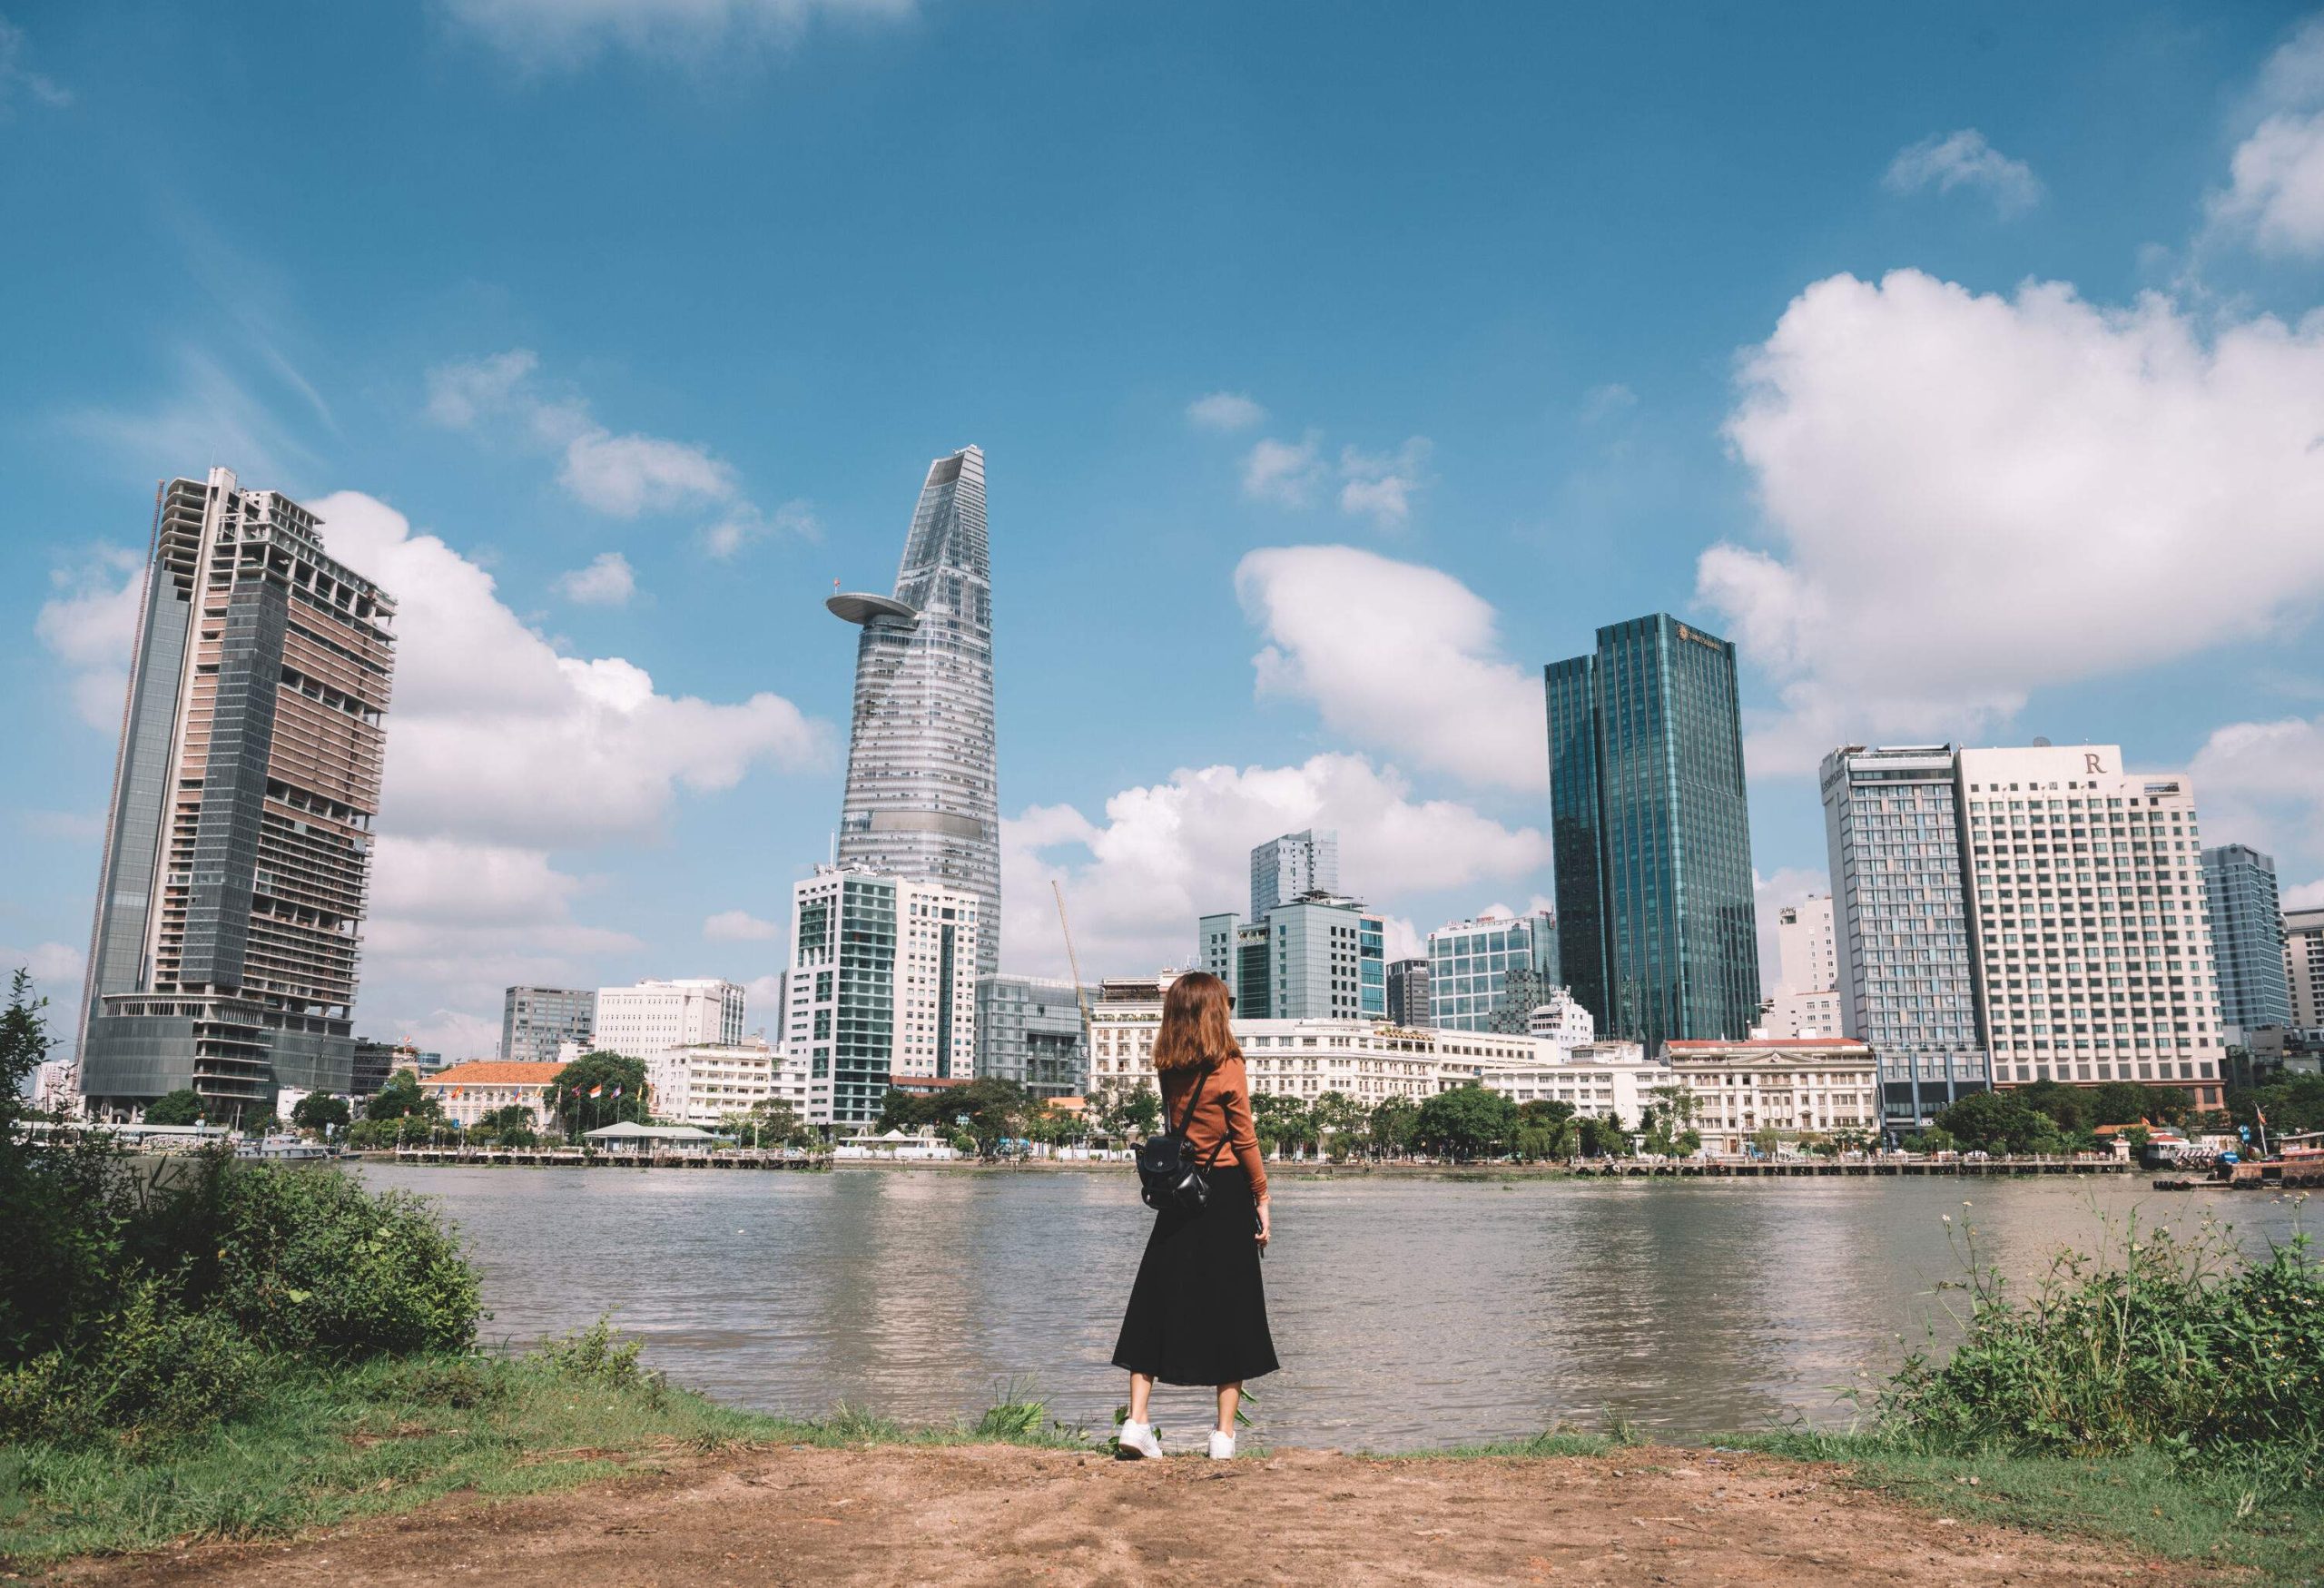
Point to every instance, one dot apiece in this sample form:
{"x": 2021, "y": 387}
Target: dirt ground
{"x": 992, "y": 1514}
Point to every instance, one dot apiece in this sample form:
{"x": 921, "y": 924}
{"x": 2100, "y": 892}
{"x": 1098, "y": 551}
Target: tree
{"x": 1280, "y": 1120}
{"x": 2064, "y": 1105}
{"x": 1135, "y": 1113}
{"x": 1668, "y": 1122}
{"x": 1340, "y": 1121}
{"x": 24, "y": 1047}
{"x": 321, "y": 1112}
{"x": 996, "y": 1111}
{"x": 1602, "y": 1136}
{"x": 1394, "y": 1123}
{"x": 905, "y": 1110}
{"x": 1466, "y": 1122}
{"x": 2129, "y": 1103}
{"x": 401, "y": 1099}
{"x": 599, "y": 1089}
{"x": 2292, "y": 1104}
{"x": 182, "y": 1107}
{"x": 773, "y": 1123}
{"x": 1997, "y": 1122}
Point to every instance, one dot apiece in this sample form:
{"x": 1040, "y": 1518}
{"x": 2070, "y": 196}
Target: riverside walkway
{"x": 738, "y": 1157}
{"x": 1862, "y": 1168}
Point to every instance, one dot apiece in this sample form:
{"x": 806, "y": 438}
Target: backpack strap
{"x": 1186, "y": 1115}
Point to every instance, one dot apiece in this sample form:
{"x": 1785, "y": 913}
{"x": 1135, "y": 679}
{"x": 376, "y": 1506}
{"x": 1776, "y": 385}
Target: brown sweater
{"x": 1223, "y": 1114}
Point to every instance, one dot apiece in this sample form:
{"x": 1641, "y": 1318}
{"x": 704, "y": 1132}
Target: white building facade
{"x": 1792, "y": 1088}
{"x": 882, "y": 987}
{"x": 469, "y": 1091}
{"x": 700, "y": 1083}
{"x": 653, "y": 1017}
{"x": 2304, "y": 966}
{"x": 2089, "y": 921}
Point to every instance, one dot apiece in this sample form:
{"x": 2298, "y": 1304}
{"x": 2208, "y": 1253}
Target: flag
{"x": 596, "y": 1091}
{"x": 616, "y": 1091}
{"x": 2260, "y": 1113}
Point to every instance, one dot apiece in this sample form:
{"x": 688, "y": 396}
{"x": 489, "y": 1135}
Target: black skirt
{"x": 1199, "y": 1314}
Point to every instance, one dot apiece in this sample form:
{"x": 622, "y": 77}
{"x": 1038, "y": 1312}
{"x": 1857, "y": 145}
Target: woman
{"x": 1197, "y": 1314}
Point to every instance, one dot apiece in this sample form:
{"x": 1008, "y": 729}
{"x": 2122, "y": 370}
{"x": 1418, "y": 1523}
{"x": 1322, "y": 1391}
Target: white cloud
{"x": 2262, "y": 783}
{"x": 1602, "y": 403}
{"x": 1167, "y": 852}
{"x": 1974, "y": 497}
{"x": 620, "y": 475}
{"x": 211, "y": 416}
{"x": 607, "y": 581}
{"x": 1225, "y": 410}
{"x": 1398, "y": 655}
{"x": 1377, "y": 486}
{"x": 16, "y": 79}
{"x": 1963, "y": 159}
{"x": 90, "y": 625}
{"x": 1282, "y": 472}
{"x": 56, "y": 969}
{"x": 2275, "y": 193}
{"x": 2304, "y": 895}
{"x": 744, "y": 525}
{"x": 494, "y": 736}
{"x": 570, "y": 33}
{"x": 739, "y": 926}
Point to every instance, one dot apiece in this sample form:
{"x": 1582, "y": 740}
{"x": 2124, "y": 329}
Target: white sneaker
{"x": 1136, "y": 1442}
{"x": 1222, "y": 1447}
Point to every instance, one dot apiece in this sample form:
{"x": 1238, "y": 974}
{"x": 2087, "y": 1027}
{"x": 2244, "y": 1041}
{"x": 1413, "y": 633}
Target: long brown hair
{"x": 1195, "y": 1028}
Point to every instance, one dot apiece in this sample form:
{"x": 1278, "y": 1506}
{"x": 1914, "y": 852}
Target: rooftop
{"x": 495, "y": 1072}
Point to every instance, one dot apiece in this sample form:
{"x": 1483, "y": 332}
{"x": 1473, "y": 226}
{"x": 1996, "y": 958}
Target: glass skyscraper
{"x": 238, "y": 847}
{"x": 1900, "y": 925}
{"x": 2247, "y": 937}
{"x": 922, "y": 800}
{"x": 1488, "y": 975}
{"x": 1650, "y": 834}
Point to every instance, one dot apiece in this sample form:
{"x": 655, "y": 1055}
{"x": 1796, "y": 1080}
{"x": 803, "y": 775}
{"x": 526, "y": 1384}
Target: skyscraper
{"x": 922, "y": 800}
{"x": 2087, "y": 919}
{"x": 1490, "y": 975}
{"x": 2247, "y": 937}
{"x": 536, "y": 1020}
{"x": 238, "y": 843}
{"x": 1319, "y": 957}
{"x": 1282, "y": 869}
{"x": 1901, "y": 927}
{"x": 2304, "y": 966}
{"x": 1408, "y": 992}
{"x": 1650, "y": 834}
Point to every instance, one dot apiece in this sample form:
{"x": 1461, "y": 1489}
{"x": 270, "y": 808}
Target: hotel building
{"x": 1792, "y": 1088}
{"x": 702, "y": 1083}
{"x": 238, "y": 841}
{"x": 883, "y": 986}
{"x": 650, "y": 1018}
{"x": 2246, "y": 938}
{"x": 2304, "y": 966}
{"x": 2088, "y": 922}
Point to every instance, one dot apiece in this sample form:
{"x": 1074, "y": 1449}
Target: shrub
{"x": 2185, "y": 1346}
{"x": 600, "y": 1354}
{"x": 149, "y": 1374}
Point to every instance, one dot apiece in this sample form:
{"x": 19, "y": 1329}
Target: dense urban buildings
{"x": 2304, "y": 966}
{"x": 467, "y": 1093}
{"x": 1319, "y": 956}
{"x": 1408, "y": 991}
{"x": 883, "y": 988}
{"x": 1651, "y": 835}
{"x": 1901, "y": 927}
{"x": 1030, "y": 1030}
{"x": 1561, "y": 1020}
{"x": 2088, "y": 921}
{"x": 536, "y": 1020}
{"x": 1803, "y": 997}
{"x": 651, "y": 1017}
{"x": 2247, "y": 937}
{"x": 1292, "y": 866}
{"x": 1768, "y": 1090}
{"x": 922, "y": 800}
{"x": 238, "y": 841}
{"x": 1489, "y": 974}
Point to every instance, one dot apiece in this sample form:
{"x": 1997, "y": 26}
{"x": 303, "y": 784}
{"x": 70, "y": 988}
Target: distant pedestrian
{"x": 1199, "y": 1312}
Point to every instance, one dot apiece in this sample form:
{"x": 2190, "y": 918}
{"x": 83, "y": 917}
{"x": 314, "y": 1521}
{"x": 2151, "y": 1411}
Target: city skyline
{"x": 1263, "y": 575}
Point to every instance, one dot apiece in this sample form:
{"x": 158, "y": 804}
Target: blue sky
{"x": 1336, "y": 366}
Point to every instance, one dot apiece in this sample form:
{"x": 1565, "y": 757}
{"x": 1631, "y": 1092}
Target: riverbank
{"x": 584, "y": 1473}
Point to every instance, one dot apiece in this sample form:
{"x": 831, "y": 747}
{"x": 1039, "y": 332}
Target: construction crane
{"x": 1080, "y": 995}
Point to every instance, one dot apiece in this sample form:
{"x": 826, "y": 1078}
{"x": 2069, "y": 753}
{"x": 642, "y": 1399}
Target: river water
{"x": 1407, "y": 1312}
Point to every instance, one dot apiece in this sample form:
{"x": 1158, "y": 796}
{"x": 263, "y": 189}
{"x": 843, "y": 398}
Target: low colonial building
{"x": 1371, "y": 1061}
{"x": 469, "y": 1091}
{"x": 1793, "y": 1087}
{"x": 702, "y": 1082}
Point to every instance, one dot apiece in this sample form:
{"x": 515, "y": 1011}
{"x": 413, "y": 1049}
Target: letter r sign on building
{"x": 2090, "y": 762}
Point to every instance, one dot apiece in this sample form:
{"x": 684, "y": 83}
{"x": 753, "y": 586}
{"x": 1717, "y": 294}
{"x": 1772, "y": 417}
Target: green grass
{"x": 321, "y": 1448}
{"x": 2141, "y": 1498}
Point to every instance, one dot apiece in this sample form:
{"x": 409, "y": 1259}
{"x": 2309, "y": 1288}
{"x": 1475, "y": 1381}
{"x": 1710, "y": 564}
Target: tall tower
{"x": 1283, "y": 868}
{"x": 2247, "y": 937}
{"x": 922, "y": 800}
{"x": 1651, "y": 835}
{"x": 238, "y": 844}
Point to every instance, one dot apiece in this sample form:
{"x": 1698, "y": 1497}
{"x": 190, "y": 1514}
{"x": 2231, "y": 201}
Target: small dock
{"x": 1864, "y": 1169}
{"x": 740, "y": 1158}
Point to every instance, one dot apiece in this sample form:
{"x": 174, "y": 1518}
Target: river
{"x": 1408, "y": 1312}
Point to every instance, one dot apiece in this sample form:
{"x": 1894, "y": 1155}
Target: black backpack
{"x": 1168, "y": 1175}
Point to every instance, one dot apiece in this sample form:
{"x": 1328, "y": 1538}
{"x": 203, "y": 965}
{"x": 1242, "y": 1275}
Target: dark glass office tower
{"x": 1650, "y": 834}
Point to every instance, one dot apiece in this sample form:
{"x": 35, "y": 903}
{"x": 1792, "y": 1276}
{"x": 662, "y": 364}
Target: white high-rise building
{"x": 882, "y": 987}
{"x": 649, "y": 1019}
{"x": 1292, "y": 866}
{"x": 702, "y": 1083}
{"x": 1807, "y": 953}
{"x": 2088, "y": 919}
{"x": 2304, "y": 966}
